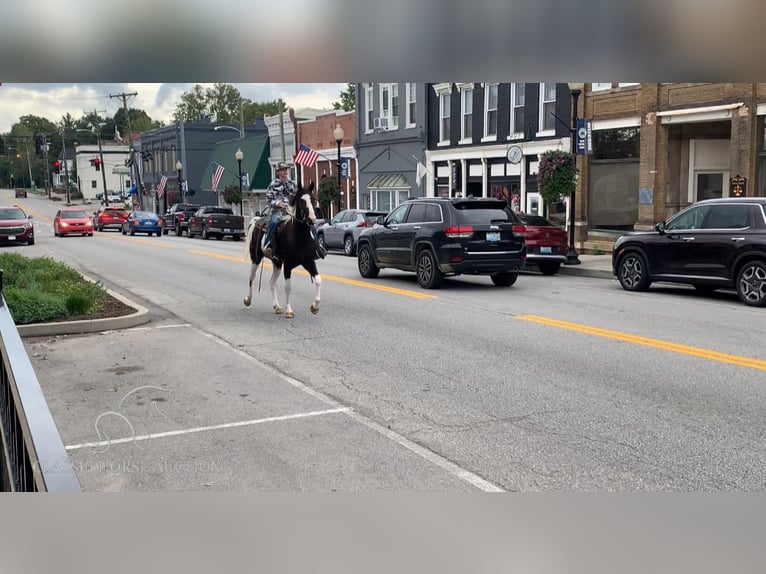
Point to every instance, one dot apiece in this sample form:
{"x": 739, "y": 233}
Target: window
{"x": 689, "y": 219}
{"x": 369, "y": 106}
{"x": 398, "y": 214}
{"x": 595, "y": 87}
{"x": 411, "y": 103}
{"x": 618, "y": 143}
{"x": 517, "y": 109}
{"x": 389, "y": 103}
{"x": 433, "y": 213}
{"x": 417, "y": 213}
{"x": 628, "y": 84}
{"x": 466, "y": 99}
{"x": 444, "y": 117}
{"x": 728, "y": 217}
{"x": 490, "y": 110}
{"x": 547, "y": 107}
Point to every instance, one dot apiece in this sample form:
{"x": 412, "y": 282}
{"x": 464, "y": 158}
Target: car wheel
{"x": 31, "y": 241}
{"x": 132, "y": 231}
{"x": 204, "y": 233}
{"x": 178, "y": 229}
{"x": 429, "y": 275}
{"x": 751, "y": 283}
{"x": 633, "y": 272}
{"x": 348, "y": 246}
{"x": 549, "y": 267}
{"x": 504, "y": 279}
{"x": 366, "y": 263}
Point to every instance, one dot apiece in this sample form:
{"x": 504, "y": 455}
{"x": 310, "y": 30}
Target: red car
{"x": 72, "y": 221}
{"x": 16, "y": 226}
{"x": 109, "y": 216}
{"x": 547, "y": 244}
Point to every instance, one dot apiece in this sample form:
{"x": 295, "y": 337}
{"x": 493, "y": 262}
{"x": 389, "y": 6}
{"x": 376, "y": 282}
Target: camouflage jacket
{"x": 280, "y": 191}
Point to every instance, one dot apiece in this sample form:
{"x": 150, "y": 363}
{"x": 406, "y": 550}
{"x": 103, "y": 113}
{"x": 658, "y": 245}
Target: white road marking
{"x": 205, "y": 428}
{"x": 448, "y": 466}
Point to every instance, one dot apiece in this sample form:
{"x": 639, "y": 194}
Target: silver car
{"x": 342, "y": 231}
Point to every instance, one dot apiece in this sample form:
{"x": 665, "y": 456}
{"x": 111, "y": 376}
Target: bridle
{"x": 300, "y": 212}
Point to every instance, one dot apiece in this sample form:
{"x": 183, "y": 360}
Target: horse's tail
{"x": 248, "y": 239}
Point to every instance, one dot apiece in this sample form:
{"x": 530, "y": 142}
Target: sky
{"x": 53, "y": 101}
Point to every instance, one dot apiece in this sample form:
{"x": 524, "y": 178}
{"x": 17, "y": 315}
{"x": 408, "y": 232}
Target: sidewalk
{"x": 598, "y": 266}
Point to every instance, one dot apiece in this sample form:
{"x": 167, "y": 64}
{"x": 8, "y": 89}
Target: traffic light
{"x": 56, "y": 166}
{"x": 97, "y": 164}
{"x": 38, "y": 144}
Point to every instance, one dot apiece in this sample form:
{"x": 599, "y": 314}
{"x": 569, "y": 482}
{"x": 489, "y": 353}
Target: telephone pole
{"x": 101, "y": 156}
{"x": 135, "y": 172}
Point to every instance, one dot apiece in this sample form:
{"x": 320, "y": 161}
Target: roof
{"x": 255, "y": 152}
{"x": 388, "y": 180}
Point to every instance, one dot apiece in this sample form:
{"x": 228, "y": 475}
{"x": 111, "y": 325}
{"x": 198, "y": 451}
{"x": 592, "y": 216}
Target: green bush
{"x": 43, "y": 289}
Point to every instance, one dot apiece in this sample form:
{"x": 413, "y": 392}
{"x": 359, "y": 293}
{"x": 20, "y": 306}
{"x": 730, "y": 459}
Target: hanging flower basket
{"x": 556, "y": 175}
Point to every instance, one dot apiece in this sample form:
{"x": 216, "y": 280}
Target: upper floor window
{"x": 389, "y": 104}
{"x": 466, "y": 111}
{"x": 626, "y": 84}
{"x": 547, "y": 107}
{"x": 411, "y": 102}
{"x": 444, "y": 93}
{"x": 596, "y": 86}
{"x": 369, "y": 106}
{"x": 490, "y": 110}
{"x": 517, "y": 109}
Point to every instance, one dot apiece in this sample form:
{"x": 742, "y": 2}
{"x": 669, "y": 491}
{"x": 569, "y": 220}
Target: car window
{"x": 433, "y": 213}
{"x": 535, "y": 221}
{"x": 12, "y": 214}
{"x": 727, "y": 217}
{"x": 481, "y": 215}
{"x": 73, "y": 214}
{"x": 372, "y": 216}
{"x": 398, "y": 214}
{"x": 691, "y": 218}
{"x": 417, "y": 213}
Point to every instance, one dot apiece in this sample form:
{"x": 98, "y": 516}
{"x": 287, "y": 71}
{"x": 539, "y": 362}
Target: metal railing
{"x": 32, "y": 454}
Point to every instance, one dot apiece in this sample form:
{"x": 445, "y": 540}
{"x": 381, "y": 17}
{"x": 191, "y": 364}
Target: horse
{"x": 295, "y": 245}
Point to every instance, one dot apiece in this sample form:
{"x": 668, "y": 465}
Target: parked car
{"x": 142, "y": 222}
{"x": 72, "y": 220}
{"x": 213, "y": 221}
{"x": 436, "y": 237}
{"x": 715, "y": 243}
{"x": 20, "y": 192}
{"x": 343, "y": 230}
{"x": 109, "y": 216}
{"x": 177, "y": 217}
{"x": 16, "y": 226}
{"x": 546, "y": 242}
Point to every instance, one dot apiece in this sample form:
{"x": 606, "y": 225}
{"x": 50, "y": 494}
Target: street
{"x": 556, "y": 384}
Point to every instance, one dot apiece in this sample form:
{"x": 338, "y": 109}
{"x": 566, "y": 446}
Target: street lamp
{"x": 239, "y": 155}
{"x": 572, "y": 258}
{"x": 338, "y": 134}
{"x": 179, "y": 167}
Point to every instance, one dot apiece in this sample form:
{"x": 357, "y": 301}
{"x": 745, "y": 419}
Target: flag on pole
{"x": 420, "y": 171}
{"x": 306, "y": 156}
{"x": 161, "y": 186}
{"x": 219, "y": 169}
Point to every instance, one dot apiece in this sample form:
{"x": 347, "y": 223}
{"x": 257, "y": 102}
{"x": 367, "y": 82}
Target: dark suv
{"x": 435, "y": 237}
{"x": 715, "y": 243}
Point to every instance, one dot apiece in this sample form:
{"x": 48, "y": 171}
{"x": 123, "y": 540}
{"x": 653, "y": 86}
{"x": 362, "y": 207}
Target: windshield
{"x": 14, "y": 213}
{"x": 73, "y": 215}
{"x": 145, "y": 214}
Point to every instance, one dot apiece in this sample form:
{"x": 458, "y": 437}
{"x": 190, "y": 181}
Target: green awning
{"x": 389, "y": 181}
{"x": 255, "y": 163}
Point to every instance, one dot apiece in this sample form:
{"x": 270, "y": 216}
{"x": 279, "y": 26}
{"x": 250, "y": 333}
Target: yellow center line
{"x": 142, "y": 240}
{"x": 334, "y": 278}
{"x": 649, "y": 342}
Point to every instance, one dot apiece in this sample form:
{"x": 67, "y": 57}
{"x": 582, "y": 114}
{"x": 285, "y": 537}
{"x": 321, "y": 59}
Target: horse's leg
{"x": 254, "y": 257}
{"x": 273, "y": 283}
{"x": 288, "y": 288}
{"x": 249, "y": 296}
{"x": 312, "y": 269}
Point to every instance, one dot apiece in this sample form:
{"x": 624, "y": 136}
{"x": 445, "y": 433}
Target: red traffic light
{"x": 57, "y": 164}
{"x": 96, "y": 161}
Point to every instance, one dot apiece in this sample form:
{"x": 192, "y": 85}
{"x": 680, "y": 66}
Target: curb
{"x": 585, "y": 272}
{"x": 140, "y": 317}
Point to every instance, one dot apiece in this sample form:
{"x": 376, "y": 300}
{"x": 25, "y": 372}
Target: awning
{"x": 389, "y": 181}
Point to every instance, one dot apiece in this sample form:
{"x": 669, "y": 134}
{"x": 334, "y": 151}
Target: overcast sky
{"x": 53, "y": 101}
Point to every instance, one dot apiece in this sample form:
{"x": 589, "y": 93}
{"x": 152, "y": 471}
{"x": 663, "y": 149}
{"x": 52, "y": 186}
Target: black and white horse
{"x": 295, "y": 246}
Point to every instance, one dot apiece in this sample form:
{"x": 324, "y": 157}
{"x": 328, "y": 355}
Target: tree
{"x": 140, "y": 121}
{"x": 254, "y": 110}
{"x": 329, "y": 193}
{"x": 347, "y": 99}
{"x": 231, "y": 194}
{"x": 556, "y": 175}
{"x": 193, "y": 106}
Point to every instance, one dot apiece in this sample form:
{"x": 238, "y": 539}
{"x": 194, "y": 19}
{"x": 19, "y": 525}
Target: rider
{"x": 279, "y": 193}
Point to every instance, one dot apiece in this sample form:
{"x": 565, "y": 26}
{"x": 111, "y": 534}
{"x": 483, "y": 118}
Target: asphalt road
{"x": 556, "y": 384}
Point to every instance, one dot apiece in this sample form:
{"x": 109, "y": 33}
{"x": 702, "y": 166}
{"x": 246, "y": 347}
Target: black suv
{"x": 435, "y": 237}
{"x": 715, "y": 243}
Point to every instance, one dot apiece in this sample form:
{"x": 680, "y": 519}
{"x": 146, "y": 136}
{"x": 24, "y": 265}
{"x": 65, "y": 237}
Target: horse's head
{"x": 304, "y": 206}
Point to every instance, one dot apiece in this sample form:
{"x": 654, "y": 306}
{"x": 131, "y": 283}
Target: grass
{"x": 42, "y": 289}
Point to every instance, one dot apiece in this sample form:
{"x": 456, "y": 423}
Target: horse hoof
{"x": 289, "y": 315}
{"x": 278, "y": 309}
{"x": 247, "y": 301}
{"x": 314, "y": 309}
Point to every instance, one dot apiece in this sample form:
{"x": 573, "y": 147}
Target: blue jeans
{"x": 276, "y": 217}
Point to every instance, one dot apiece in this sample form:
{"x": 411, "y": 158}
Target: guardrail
{"x": 32, "y": 454}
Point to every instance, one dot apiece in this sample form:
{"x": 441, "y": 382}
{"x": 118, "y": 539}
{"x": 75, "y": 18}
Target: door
{"x": 387, "y": 239}
{"x": 725, "y": 234}
{"x": 333, "y": 233}
{"x": 672, "y": 253}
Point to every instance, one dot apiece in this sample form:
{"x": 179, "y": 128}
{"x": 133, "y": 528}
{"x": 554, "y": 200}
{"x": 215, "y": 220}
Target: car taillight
{"x": 362, "y": 224}
{"x": 458, "y": 231}
{"x": 519, "y": 229}
{"x": 210, "y": 219}
{"x": 180, "y": 217}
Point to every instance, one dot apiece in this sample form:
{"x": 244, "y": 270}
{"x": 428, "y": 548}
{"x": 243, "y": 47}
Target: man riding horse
{"x": 280, "y": 194}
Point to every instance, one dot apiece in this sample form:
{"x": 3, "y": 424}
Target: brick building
{"x": 657, "y": 147}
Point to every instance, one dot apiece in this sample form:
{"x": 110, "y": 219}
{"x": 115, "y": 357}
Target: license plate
{"x": 11, "y": 238}
{"x": 545, "y": 250}
{"x": 493, "y": 236}
{"x": 227, "y": 230}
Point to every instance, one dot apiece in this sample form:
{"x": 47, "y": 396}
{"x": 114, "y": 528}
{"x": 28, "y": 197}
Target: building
{"x": 318, "y": 134}
{"x": 95, "y": 178}
{"x": 657, "y": 147}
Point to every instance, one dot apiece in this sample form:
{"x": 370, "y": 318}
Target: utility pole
{"x": 45, "y": 159}
{"x": 135, "y": 172}
{"x": 66, "y": 168}
{"x": 29, "y": 162}
{"x": 101, "y": 157}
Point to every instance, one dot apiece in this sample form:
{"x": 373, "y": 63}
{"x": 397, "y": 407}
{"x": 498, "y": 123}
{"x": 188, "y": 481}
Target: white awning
{"x": 701, "y": 114}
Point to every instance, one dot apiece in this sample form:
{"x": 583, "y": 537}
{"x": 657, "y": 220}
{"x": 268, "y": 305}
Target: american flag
{"x": 161, "y": 186}
{"x": 306, "y": 156}
{"x": 217, "y": 175}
